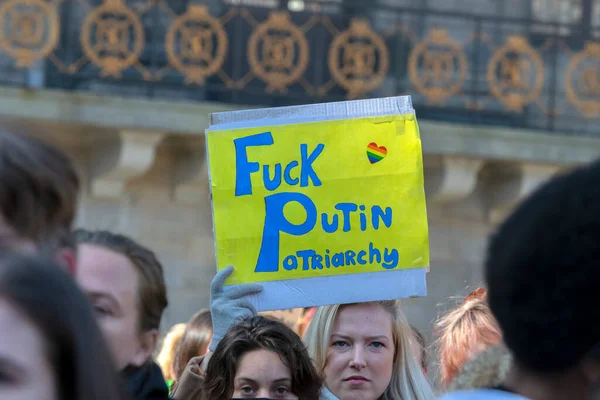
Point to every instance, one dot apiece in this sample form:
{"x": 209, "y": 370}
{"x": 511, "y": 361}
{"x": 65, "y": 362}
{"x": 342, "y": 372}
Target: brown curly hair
{"x": 254, "y": 334}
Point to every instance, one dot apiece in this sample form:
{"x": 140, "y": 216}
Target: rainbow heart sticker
{"x": 375, "y": 153}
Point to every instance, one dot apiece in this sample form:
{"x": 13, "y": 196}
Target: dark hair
{"x": 39, "y": 190}
{"x": 194, "y": 341}
{"x": 76, "y": 349}
{"x": 421, "y": 341}
{"x": 594, "y": 354}
{"x": 254, "y": 334}
{"x": 152, "y": 296}
{"x": 542, "y": 273}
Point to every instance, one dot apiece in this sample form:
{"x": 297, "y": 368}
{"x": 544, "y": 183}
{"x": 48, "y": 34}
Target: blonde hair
{"x": 461, "y": 331}
{"x": 408, "y": 380}
{"x": 167, "y": 351}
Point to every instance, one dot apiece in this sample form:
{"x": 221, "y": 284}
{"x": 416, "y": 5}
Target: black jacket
{"x": 145, "y": 383}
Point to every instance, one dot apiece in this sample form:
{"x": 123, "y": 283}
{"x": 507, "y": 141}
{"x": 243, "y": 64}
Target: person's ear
{"x": 67, "y": 259}
{"x": 147, "y": 345}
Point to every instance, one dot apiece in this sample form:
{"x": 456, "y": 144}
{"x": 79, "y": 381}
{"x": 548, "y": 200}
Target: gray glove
{"x": 230, "y": 307}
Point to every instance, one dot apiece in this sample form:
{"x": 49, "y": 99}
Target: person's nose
{"x": 358, "y": 360}
{"x": 263, "y": 393}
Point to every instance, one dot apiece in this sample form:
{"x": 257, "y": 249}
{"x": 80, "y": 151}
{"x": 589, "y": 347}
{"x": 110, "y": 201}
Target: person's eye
{"x": 339, "y": 343}
{"x": 377, "y": 345}
{"x": 247, "y": 390}
{"x": 282, "y": 391}
{"x": 101, "y": 311}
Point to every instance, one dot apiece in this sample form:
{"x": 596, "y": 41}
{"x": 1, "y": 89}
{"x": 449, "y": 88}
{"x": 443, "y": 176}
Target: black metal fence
{"x": 457, "y": 67}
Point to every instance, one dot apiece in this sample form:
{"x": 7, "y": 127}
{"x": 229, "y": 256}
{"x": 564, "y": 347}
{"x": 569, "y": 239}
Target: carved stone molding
{"x": 121, "y": 158}
{"x": 508, "y": 184}
{"x": 450, "y": 178}
{"x": 190, "y": 174}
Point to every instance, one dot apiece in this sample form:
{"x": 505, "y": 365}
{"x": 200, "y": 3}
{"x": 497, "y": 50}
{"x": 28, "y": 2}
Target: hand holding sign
{"x": 228, "y": 307}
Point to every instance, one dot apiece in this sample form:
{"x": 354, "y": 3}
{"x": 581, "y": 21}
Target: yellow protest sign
{"x": 319, "y": 199}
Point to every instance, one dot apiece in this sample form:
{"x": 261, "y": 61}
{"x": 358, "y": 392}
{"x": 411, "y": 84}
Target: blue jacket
{"x": 482, "y": 394}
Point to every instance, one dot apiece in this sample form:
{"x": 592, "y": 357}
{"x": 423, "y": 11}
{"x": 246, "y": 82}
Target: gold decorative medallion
{"x": 112, "y": 37}
{"x": 196, "y": 44}
{"x": 437, "y": 66}
{"x": 582, "y": 80}
{"x": 278, "y": 52}
{"x": 358, "y": 58}
{"x": 516, "y": 73}
{"x": 28, "y": 30}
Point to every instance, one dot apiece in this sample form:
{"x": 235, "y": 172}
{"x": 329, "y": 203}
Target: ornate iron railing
{"x": 463, "y": 68}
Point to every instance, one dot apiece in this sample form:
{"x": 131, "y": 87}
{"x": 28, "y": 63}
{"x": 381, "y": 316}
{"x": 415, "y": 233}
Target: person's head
{"x": 38, "y": 198}
{"x": 261, "y": 358}
{"x": 166, "y": 356}
{"x": 194, "y": 342}
{"x": 419, "y": 349}
{"x": 126, "y": 286}
{"x": 364, "y": 352}
{"x": 542, "y": 274}
{"x": 463, "y": 332}
{"x": 50, "y": 345}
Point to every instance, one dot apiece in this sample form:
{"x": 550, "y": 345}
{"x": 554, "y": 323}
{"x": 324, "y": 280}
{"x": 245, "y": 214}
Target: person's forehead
{"x": 101, "y": 270}
{"x": 262, "y": 363}
{"x": 363, "y": 320}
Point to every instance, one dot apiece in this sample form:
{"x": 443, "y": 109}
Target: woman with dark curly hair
{"x": 261, "y": 358}
{"x": 257, "y": 358}
{"x": 249, "y": 356}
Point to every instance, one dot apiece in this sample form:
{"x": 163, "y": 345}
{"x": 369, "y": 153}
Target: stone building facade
{"x": 506, "y": 91}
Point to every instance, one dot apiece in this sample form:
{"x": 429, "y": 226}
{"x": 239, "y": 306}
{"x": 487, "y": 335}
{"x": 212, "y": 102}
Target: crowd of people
{"x": 80, "y": 312}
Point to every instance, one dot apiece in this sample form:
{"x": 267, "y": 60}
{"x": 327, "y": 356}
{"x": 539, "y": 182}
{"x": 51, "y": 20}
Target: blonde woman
{"x": 363, "y": 351}
{"x": 464, "y": 332}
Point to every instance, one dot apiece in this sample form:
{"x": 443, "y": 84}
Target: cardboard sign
{"x": 316, "y": 201}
